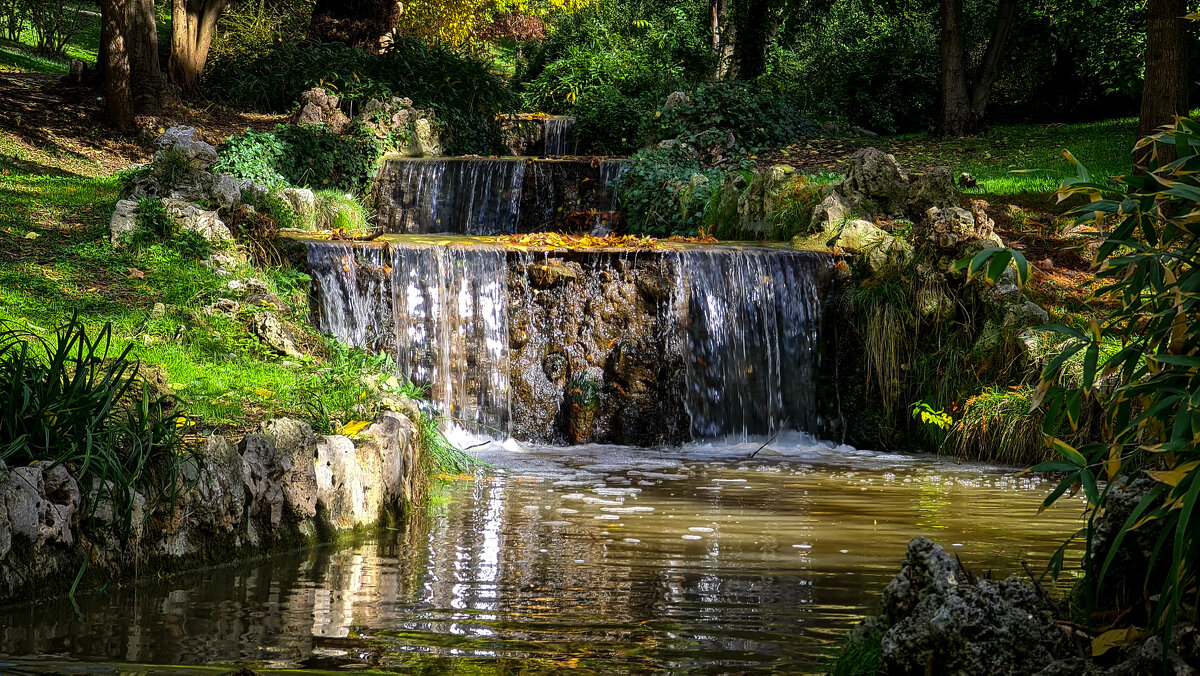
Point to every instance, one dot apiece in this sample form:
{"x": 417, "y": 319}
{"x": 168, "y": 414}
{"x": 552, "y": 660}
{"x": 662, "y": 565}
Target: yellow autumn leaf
{"x": 1114, "y": 638}
{"x": 1113, "y": 465}
{"x": 353, "y": 427}
{"x": 1172, "y": 477}
{"x": 265, "y": 394}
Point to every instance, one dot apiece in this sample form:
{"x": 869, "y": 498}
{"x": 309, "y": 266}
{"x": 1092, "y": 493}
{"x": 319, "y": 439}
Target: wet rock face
{"x": 611, "y": 323}
{"x": 939, "y": 623}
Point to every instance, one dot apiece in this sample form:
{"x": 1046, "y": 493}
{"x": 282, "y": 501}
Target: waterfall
{"x": 451, "y": 309}
{"x": 351, "y": 294}
{"x": 482, "y": 196}
{"x": 721, "y": 339}
{"x": 559, "y": 133}
{"x": 466, "y": 196}
{"x": 750, "y": 318}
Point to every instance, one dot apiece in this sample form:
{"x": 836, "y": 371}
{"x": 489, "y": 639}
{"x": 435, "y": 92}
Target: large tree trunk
{"x": 193, "y": 24}
{"x": 145, "y": 76}
{"x": 990, "y": 68}
{"x": 358, "y": 23}
{"x": 723, "y": 34}
{"x": 117, "y": 100}
{"x": 1164, "y": 95}
{"x": 757, "y": 26}
{"x": 956, "y": 117}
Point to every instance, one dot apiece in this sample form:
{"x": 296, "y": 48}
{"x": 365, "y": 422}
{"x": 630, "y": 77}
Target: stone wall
{"x": 283, "y": 486}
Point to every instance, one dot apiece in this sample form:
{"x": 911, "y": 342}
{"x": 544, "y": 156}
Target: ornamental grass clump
{"x": 68, "y": 400}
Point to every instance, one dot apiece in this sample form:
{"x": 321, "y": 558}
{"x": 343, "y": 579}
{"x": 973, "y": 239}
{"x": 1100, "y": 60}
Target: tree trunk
{"x": 990, "y": 68}
{"x": 723, "y": 33}
{"x": 757, "y": 26}
{"x": 358, "y": 23}
{"x": 956, "y": 117}
{"x": 193, "y": 24}
{"x": 1164, "y": 95}
{"x": 117, "y": 100}
{"x": 145, "y": 76}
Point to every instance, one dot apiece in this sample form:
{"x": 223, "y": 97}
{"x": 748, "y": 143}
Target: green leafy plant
{"x": 1150, "y": 387}
{"x": 307, "y": 155}
{"x": 155, "y": 226}
{"x": 69, "y": 401}
{"x": 931, "y": 416}
{"x": 730, "y": 114}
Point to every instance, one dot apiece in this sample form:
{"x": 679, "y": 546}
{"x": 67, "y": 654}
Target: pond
{"x": 705, "y": 558}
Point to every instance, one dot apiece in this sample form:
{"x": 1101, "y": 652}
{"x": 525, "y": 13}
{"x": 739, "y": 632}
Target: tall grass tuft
{"x": 998, "y": 425}
{"x": 66, "y": 400}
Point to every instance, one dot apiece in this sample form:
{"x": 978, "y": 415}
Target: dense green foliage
{"x": 729, "y": 115}
{"x": 305, "y": 155}
{"x": 464, "y": 94}
{"x": 666, "y": 191}
{"x": 76, "y": 399}
{"x": 1150, "y": 386}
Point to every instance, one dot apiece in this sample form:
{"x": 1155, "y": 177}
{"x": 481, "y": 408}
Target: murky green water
{"x": 606, "y": 558}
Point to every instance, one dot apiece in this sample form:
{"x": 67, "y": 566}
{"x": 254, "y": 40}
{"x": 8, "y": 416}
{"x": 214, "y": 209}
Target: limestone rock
{"x": 5, "y": 524}
{"x": 967, "y": 180}
{"x": 295, "y": 441}
{"x": 426, "y": 138}
{"x": 318, "y": 106}
{"x": 674, "y": 100}
{"x": 303, "y": 202}
{"x": 271, "y": 330}
{"x": 927, "y": 569}
{"x": 831, "y": 212}
{"x": 876, "y": 184}
{"x": 934, "y": 188}
{"x": 758, "y": 204}
{"x": 990, "y": 627}
{"x": 123, "y": 223}
{"x": 880, "y": 248}
{"x": 227, "y": 191}
{"x": 263, "y": 469}
{"x": 340, "y": 483}
{"x": 268, "y": 301}
{"x": 387, "y": 450}
{"x": 180, "y": 140}
{"x": 223, "y": 306}
{"x": 191, "y": 218}
{"x": 217, "y": 501}
{"x": 43, "y": 503}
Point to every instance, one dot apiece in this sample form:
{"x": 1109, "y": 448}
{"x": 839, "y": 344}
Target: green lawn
{"x": 1022, "y": 158}
{"x": 55, "y": 260}
{"x": 21, "y": 56}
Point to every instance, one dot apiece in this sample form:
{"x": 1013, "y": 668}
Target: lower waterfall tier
{"x": 637, "y": 348}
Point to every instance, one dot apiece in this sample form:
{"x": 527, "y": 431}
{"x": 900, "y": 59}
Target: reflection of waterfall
{"x": 560, "y": 136}
{"x": 740, "y": 327}
{"x": 751, "y": 321}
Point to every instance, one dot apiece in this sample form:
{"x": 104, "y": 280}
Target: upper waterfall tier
{"x": 612, "y": 346}
{"x": 492, "y": 196}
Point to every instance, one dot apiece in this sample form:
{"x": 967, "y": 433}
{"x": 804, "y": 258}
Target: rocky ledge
{"x": 283, "y": 486}
{"x": 938, "y": 619}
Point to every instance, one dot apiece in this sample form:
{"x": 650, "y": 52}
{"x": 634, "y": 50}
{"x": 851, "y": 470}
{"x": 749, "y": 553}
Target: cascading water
{"x": 720, "y": 338}
{"x": 751, "y": 319}
{"x": 559, "y": 135}
{"x": 482, "y": 196}
{"x": 451, "y": 309}
{"x": 351, "y": 294}
{"x": 470, "y": 196}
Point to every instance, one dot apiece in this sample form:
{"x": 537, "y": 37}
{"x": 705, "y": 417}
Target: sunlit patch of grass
{"x": 997, "y": 425}
{"x": 1021, "y": 158}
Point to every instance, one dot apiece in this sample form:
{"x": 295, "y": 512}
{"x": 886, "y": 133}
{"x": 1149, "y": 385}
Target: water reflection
{"x": 602, "y": 558}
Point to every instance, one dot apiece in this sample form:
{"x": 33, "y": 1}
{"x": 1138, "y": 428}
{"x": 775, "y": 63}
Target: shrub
{"x": 70, "y": 401}
{"x": 155, "y": 226}
{"x": 462, "y": 92}
{"x": 311, "y": 156}
{"x": 339, "y": 211}
{"x": 666, "y": 191}
{"x": 718, "y": 112}
{"x": 1149, "y": 263}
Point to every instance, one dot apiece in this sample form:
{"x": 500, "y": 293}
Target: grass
{"x": 20, "y": 56}
{"x": 55, "y": 260}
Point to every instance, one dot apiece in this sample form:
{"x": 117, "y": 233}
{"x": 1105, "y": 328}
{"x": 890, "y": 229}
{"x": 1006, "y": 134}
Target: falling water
{"x": 466, "y": 196}
{"x": 611, "y": 171}
{"x": 559, "y": 136}
{"x": 751, "y": 319}
{"x": 451, "y": 309}
{"x": 743, "y": 322}
{"x": 351, "y": 294}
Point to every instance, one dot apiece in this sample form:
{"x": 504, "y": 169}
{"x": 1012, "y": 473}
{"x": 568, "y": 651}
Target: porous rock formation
{"x": 282, "y": 486}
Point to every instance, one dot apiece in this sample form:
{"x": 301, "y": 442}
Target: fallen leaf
{"x": 134, "y": 273}
{"x": 353, "y": 427}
